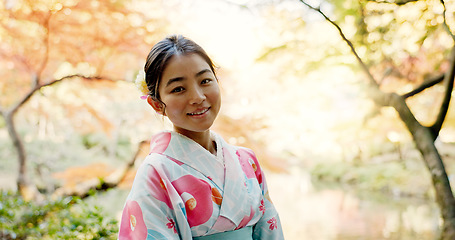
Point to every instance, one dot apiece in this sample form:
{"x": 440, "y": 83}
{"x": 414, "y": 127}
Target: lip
{"x": 199, "y": 112}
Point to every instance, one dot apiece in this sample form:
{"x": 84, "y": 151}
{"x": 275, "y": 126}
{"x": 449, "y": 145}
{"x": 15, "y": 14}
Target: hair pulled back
{"x": 159, "y": 57}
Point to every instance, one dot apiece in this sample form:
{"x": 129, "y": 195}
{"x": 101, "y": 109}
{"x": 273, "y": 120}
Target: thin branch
{"x": 448, "y": 83}
{"x": 36, "y": 88}
{"x": 424, "y": 85}
{"x": 446, "y": 26}
{"x": 351, "y": 46}
{"x": 398, "y": 2}
{"x": 77, "y": 76}
{"x": 46, "y": 47}
{"x": 112, "y": 180}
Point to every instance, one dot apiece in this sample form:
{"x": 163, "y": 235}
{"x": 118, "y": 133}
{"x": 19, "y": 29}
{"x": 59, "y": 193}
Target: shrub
{"x": 67, "y": 218}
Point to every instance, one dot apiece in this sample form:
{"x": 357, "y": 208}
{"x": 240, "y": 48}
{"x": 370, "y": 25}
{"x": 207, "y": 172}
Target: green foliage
{"x": 68, "y": 218}
{"x": 386, "y": 32}
{"x": 122, "y": 148}
{"x": 93, "y": 139}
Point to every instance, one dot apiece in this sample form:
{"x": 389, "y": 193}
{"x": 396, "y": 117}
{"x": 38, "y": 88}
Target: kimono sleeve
{"x": 269, "y": 226}
{"x": 151, "y": 210}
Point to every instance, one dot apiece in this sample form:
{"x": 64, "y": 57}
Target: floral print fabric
{"x": 182, "y": 191}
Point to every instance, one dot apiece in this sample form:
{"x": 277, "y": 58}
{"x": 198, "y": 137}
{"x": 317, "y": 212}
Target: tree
{"x": 47, "y": 42}
{"x": 423, "y": 136}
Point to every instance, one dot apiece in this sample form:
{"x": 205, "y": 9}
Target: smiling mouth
{"x": 199, "y": 112}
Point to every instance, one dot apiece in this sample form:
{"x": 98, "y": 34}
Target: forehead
{"x": 184, "y": 66}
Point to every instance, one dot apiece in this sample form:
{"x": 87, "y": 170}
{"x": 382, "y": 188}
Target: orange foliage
{"x": 243, "y": 131}
{"x": 75, "y": 175}
{"x": 39, "y": 37}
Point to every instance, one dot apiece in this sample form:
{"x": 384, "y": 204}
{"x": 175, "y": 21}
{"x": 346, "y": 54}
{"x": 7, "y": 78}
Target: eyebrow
{"x": 172, "y": 80}
{"x": 179, "y": 79}
{"x": 202, "y": 72}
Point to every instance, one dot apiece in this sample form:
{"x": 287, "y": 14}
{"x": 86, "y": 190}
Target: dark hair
{"x": 159, "y": 57}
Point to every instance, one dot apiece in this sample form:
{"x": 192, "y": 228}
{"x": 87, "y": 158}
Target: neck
{"x": 202, "y": 138}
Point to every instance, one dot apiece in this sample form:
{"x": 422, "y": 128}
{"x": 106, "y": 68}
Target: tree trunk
{"x": 423, "y": 139}
{"x": 27, "y": 190}
{"x": 423, "y": 136}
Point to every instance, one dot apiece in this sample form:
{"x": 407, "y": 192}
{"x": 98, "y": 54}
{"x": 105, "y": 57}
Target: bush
{"x": 68, "y": 218}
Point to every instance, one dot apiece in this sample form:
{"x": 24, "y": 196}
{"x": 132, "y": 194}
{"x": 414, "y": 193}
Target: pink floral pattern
{"x": 197, "y": 195}
{"x": 171, "y": 224}
{"x": 262, "y": 207}
{"x": 246, "y": 166}
{"x": 249, "y": 164}
{"x": 273, "y": 223}
{"x": 132, "y": 224}
{"x": 179, "y": 192}
{"x": 159, "y": 142}
{"x": 158, "y": 187}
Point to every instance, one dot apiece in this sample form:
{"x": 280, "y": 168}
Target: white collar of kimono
{"x": 218, "y": 139}
{"x": 235, "y": 192}
{"x": 194, "y": 155}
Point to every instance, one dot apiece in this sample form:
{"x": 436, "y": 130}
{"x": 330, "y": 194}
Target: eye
{"x": 177, "y": 90}
{"x": 205, "y": 81}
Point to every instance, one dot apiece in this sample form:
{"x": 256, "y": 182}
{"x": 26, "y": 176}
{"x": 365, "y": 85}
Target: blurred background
{"x": 74, "y": 127}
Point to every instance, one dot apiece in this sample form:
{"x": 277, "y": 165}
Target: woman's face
{"x": 190, "y": 91}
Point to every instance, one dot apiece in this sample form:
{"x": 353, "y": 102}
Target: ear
{"x": 157, "y": 106}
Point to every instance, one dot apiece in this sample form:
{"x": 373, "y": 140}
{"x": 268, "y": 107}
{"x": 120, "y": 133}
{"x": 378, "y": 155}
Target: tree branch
{"x": 424, "y": 141}
{"x": 351, "y": 46}
{"x": 46, "y": 47}
{"x": 379, "y": 97}
{"x": 426, "y": 84}
{"x": 397, "y": 2}
{"x": 38, "y": 87}
{"x": 27, "y": 189}
{"x": 83, "y": 189}
{"x": 446, "y": 26}
{"x": 448, "y": 83}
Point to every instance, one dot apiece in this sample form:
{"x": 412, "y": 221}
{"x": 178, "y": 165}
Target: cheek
{"x": 174, "y": 107}
{"x": 218, "y": 100}
{"x": 215, "y": 95}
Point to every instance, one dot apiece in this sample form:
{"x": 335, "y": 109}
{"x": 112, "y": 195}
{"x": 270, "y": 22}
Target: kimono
{"x": 182, "y": 191}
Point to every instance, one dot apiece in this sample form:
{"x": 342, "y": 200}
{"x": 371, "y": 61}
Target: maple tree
{"x": 424, "y": 136}
{"x": 46, "y": 42}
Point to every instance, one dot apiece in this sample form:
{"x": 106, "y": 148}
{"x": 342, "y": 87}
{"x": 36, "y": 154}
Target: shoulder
{"x": 156, "y": 162}
{"x": 155, "y": 165}
{"x": 151, "y": 161}
{"x": 160, "y": 141}
{"x": 248, "y": 160}
{"x": 246, "y": 153}
{"x": 159, "y": 160}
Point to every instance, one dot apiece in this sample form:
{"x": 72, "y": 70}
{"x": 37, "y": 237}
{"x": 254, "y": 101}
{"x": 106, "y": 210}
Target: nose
{"x": 197, "y": 95}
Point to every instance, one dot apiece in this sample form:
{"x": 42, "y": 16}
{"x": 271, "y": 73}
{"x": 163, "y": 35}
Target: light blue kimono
{"x": 183, "y": 191}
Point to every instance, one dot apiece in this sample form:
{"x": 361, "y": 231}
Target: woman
{"x": 193, "y": 185}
